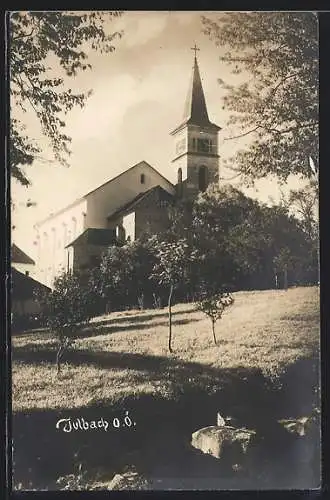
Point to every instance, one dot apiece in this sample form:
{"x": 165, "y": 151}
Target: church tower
{"x": 196, "y": 142}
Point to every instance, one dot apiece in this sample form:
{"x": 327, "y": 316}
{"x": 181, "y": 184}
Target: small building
{"x": 25, "y": 309}
{"x": 84, "y": 252}
{"x": 21, "y": 261}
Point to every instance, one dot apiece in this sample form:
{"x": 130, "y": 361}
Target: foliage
{"x": 38, "y": 41}
{"x": 277, "y": 104}
{"x": 122, "y": 278}
{"x": 213, "y": 306}
{"x": 268, "y": 240}
{"x": 304, "y": 203}
{"x": 66, "y": 309}
{"x": 172, "y": 256}
{"x": 115, "y": 273}
{"x": 237, "y": 239}
{"x": 223, "y": 241}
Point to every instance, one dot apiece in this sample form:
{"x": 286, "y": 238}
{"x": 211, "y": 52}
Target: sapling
{"x": 213, "y": 306}
{"x": 169, "y": 270}
{"x": 66, "y": 310}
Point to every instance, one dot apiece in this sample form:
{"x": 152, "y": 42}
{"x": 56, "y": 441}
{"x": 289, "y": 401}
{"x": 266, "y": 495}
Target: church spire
{"x": 195, "y": 110}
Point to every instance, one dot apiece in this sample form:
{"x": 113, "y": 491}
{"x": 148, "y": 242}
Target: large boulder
{"x": 224, "y": 442}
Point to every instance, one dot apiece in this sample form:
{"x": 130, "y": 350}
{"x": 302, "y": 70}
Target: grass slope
{"x": 125, "y": 353}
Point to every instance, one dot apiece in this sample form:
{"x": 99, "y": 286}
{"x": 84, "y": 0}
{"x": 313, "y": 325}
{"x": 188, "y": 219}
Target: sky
{"x": 138, "y": 98}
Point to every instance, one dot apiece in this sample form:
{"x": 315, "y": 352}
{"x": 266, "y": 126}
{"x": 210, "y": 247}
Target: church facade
{"x": 134, "y": 202}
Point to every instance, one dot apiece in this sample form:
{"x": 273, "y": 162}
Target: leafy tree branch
{"x": 277, "y": 104}
{"x": 34, "y": 37}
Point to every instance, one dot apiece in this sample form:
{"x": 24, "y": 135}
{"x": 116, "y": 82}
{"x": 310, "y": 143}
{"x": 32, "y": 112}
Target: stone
{"x": 223, "y": 441}
{"x": 220, "y": 420}
{"x": 302, "y": 426}
{"x": 127, "y": 481}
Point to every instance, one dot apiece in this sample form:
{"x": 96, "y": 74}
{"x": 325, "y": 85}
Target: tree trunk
{"x": 276, "y": 281}
{"x": 285, "y": 278}
{"x": 213, "y": 331}
{"x": 58, "y": 358}
{"x": 170, "y": 319}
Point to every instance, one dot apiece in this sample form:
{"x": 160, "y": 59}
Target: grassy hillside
{"x": 265, "y": 368}
{"x": 126, "y": 352}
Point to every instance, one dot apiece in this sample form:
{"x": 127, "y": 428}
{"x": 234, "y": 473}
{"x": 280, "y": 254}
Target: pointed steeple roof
{"x": 195, "y": 110}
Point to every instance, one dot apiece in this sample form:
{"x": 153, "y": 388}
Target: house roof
{"x": 24, "y": 286}
{"x": 124, "y": 209}
{"x": 95, "y": 236}
{"x": 20, "y": 257}
{"x": 195, "y": 110}
{"x": 82, "y": 198}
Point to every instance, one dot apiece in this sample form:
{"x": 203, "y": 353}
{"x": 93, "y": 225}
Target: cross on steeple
{"x": 195, "y": 48}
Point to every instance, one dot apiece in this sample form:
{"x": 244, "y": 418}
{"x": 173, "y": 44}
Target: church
{"x": 135, "y": 201}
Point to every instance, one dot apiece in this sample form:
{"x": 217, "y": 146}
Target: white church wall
{"x": 113, "y": 195}
{"x": 53, "y": 235}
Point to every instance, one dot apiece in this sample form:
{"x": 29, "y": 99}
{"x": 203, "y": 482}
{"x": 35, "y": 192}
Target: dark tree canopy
{"x": 239, "y": 240}
{"x": 33, "y": 37}
{"x": 277, "y": 104}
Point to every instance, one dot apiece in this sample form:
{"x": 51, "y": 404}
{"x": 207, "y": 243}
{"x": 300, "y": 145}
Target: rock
{"x": 301, "y": 426}
{"x": 223, "y": 441}
{"x": 220, "y": 420}
{"x": 127, "y": 481}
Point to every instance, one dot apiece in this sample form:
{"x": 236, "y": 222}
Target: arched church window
{"x": 202, "y": 178}
{"x": 179, "y": 175}
{"x": 142, "y": 178}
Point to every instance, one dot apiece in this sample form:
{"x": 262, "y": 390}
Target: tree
{"x": 66, "y": 309}
{"x": 216, "y": 214}
{"x": 213, "y": 306}
{"x": 34, "y": 37}
{"x": 277, "y": 104}
{"x": 303, "y": 202}
{"x": 116, "y": 276}
{"x": 169, "y": 270}
{"x": 238, "y": 238}
{"x": 281, "y": 263}
{"x": 123, "y": 276}
{"x": 143, "y": 261}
